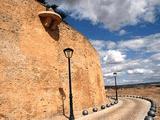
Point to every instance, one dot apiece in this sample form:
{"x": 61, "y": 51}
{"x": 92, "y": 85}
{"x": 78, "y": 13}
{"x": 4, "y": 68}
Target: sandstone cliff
{"x": 33, "y": 68}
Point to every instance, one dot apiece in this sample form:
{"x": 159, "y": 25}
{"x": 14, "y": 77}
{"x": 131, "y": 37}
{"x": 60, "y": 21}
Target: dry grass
{"x": 152, "y": 92}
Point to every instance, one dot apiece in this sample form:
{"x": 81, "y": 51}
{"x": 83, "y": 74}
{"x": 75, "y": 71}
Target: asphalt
{"x": 126, "y": 109}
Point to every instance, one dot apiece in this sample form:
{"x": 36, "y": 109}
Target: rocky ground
{"x": 152, "y": 92}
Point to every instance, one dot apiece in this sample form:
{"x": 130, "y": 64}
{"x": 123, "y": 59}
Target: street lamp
{"x": 68, "y": 53}
{"x": 115, "y": 75}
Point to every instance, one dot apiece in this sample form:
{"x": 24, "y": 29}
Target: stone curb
{"x": 102, "y": 107}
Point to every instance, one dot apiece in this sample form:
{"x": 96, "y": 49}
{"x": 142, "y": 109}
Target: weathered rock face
{"x": 34, "y": 70}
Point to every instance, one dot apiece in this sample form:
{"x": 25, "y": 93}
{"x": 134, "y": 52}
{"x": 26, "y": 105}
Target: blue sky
{"x": 97, "y": 32}
{"x": 125, "y": 33}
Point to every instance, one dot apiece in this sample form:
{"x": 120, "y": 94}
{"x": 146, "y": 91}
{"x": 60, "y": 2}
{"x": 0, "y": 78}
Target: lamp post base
{"x": 71, "y": 118}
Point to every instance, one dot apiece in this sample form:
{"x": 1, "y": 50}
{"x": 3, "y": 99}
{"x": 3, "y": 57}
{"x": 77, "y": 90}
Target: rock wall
{"x": 34, "y": 70}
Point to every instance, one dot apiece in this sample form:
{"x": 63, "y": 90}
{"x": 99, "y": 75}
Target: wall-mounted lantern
{"x": 50, "y": 19}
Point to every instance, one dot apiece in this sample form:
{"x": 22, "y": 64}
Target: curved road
{"x": 126, "y": 109}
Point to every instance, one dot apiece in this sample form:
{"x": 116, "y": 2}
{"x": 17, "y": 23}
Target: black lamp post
{"x": 115, "y": 75}
{"x": 68, "y": 53}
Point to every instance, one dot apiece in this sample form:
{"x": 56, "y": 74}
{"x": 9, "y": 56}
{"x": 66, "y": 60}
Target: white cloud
{"x": 140, "y": 71}
{"x": 101, "y": 45}
{"x": 147, "y": 44}
{"x": 155, "y": 57}
{"x": 138, "y": 59}
{"x": 149, "y": 16}
{"x": 108, "y": 75}
{"x": 132, "y": 44}
{"x": 122, "y": 32}
{"x": 114, "y": 56}
{"x": 114, "y": 14}
{"x": 110, "y": 45}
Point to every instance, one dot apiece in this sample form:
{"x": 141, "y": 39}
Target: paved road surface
{"x": 126, "y": 109}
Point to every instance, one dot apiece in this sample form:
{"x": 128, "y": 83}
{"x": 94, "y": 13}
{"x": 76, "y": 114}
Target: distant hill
{"x": 135, "y": 85}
